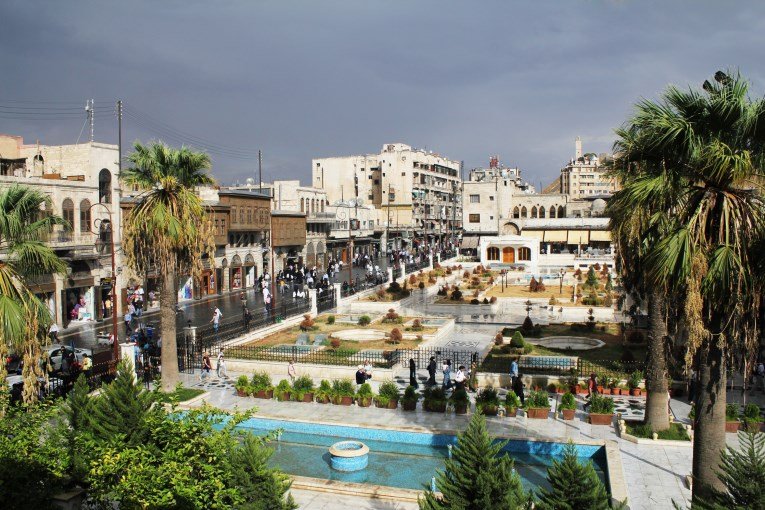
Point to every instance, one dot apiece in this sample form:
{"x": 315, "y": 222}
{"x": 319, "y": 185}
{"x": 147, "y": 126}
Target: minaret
{"x": 578, "y": 152}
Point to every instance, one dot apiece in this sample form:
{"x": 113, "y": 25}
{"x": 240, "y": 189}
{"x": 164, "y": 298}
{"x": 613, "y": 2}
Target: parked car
{"x": 55, "y": 352}
{"x": 55, "y": 386}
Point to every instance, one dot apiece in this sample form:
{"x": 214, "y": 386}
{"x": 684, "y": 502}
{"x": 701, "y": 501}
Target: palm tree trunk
{"x": 656, "y": 406}
{"x": 709, "y": 426}
{"x": 167, "y": 304}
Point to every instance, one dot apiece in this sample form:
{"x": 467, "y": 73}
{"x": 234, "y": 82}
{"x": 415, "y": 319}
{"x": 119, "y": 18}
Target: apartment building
{"x": 585, "y": 175}
{"x": 82, "y": 183}
{"x": 417, "y": 193}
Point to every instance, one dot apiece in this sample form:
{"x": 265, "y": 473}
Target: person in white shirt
{"x": 460, "y": 377}
{"x": 216, "y": 319}
{"x": 221, "y": 367}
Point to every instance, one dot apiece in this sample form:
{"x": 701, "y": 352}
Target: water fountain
{"x": 349, "y": 456}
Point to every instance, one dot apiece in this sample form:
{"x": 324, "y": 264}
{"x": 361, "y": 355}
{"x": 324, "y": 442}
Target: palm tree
{"x": 708, "y": 145}
{"x": 24, "y": 319}
{"x": 168, "y": 230}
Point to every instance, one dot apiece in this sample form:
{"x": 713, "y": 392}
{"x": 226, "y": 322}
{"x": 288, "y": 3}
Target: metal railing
{"x": 416, "y": 266}
{"x": 326, "y": 300}
{"x": 561, "y": 366}
{"x": 396, "y": 272}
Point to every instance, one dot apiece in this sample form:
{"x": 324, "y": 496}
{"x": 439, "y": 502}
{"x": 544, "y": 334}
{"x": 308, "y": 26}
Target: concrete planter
{"x": 601, "y": 419}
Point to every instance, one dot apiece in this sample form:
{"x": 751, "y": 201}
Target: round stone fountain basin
{"x": 359, "y": 335}
{"x": 575, "y": 343}
{"x": 349, "y": 456}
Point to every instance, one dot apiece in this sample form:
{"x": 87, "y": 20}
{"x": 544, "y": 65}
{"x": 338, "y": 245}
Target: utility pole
{"x": 260, "y": 170}
{"x": 91, "y": 118}
{"x": 387, "y": 224}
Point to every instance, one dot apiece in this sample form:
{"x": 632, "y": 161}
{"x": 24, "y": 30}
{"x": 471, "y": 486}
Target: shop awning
{"x": 600, "y": 235}
{"x": 469, "y": 242}
{"x": 578, "y": 237}
{"x": 556, "y": 236}
{"x": 533, "y": 234}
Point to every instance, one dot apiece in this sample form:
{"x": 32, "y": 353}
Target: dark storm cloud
{"x": 307, "y": 79}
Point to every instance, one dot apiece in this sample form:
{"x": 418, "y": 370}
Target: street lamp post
{"x": 561, "y": 274}
{"x": 351, "y": 204}
{"x": 99, "y": 242}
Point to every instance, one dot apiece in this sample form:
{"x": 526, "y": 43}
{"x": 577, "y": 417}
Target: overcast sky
{"x": 303, "y": 79}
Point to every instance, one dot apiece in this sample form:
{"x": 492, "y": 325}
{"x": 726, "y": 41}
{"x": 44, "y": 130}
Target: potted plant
{"x": 751, "y": 418}
{"x": 538, "y": 405}
{"x": 512, "y": 403}
{"x": 260, "y": 385}
{"x": 388, "y": 395}
{"x": 323, "y": 393}
{"x": 602, "y": 380}
{"x": 364, "y": 395}
{"x": 434, "y": 400}
{"x": 302, "y": 389}
{"x": 568, "y": 406}
{"x": 409, "y": 402}
{"x": 487, "y": 401}
{"x": 242, "y": 386}
{"x": 633, "y": 382}
{"x": 460, "y": 401}
{"x": 601, "y": 410}
{"x": 283, "y": 390}
{"x": 343, "y": 392}
{"x": 612, "y": 385}
{"x": 573, "y": 383}
{"x": 731, "y": 418}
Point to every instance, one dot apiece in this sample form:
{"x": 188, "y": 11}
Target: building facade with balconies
{"x": 82, "y": 182}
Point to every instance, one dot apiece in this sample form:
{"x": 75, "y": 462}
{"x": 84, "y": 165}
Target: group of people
{"x": 364, "y": 372}
{"x": 220, "y": 366}
{"x": 464, "y": 378}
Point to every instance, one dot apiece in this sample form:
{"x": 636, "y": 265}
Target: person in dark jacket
{"x": 432, "y": 371}
{"x": 518, "y": 387}
{"x": 412, "y": 373}
{"x": 361, "y": 375}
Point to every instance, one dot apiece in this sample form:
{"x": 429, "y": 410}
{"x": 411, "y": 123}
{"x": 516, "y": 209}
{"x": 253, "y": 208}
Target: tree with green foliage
{"x": 742, "y": 472}
{"x": 592, "y": 279}
{"x": 123, "y": 409}
{"x": 24, "y": 254}
{"x": 574, "y": 486}
{"x": 260, "y": 487}
{"x": 706, "y": 149}
{"x": 478, "y": 476}
{"x": 78, "y": 413}
{"x": 168, "y": 230}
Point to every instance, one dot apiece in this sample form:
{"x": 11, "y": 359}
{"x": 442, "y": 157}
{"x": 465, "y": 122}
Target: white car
{"x": 55, "y": 353}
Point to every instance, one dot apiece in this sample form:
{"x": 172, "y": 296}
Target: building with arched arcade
{"x": 512, "y": 252}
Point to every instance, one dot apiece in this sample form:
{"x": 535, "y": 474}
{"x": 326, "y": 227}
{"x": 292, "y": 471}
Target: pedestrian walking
{"x": 53, "y": 332}
{"x": 247, "y": 318}
{"x": 291, "y": 371}
{"x": 216, "y": 319}
{"x": 267, "y": 304}
{"x": 446, "y": 369}
{"x": 513, "y": 371}
{"x": 147, "y": 371}
{"x": 128, "y": 322}
{"x": 412, "y": 373}
{"x": 432, "y": 371}
{"x": 460, "y": 378}
{"x": 206, "y": 366}
{"x": 221, "y": 366}
{"x": 518, "y": 388}
{"x": 87, "y": 365}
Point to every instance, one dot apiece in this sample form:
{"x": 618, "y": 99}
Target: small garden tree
{"x": 395, "y": 336}
{"x": 574, "y": 486}
{"x": 592, "y": 278}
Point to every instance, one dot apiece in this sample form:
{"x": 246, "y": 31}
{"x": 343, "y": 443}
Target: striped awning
{"x": 556, "y": 236}
{"x": 600, "y": 235}
{"x": 578, "y": 237}
{"x": 469, "y": 242}
{"x": 533, "y": 234}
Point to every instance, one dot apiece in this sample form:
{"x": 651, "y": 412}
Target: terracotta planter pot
{"x": 490, "y": 410}
{"x": 636, "y": 392}
{"x": 613, "y": 391}
{"x": 364, "y": 402}
{"x": 268, "y": 394}
{"x": 284, "y": 397}
{"x": 322, "y": 400}
{"x": 343, "y": 401}
{"x": 512, "y": 412}
{"x": 600, "y": 389}
{"x": 601, "y": 419}
{"x": 461, "y": 409}
{"x": 435, "y": 407}
{"x": 241, "y": 393}
{"x": 732, "y": 426}
{"x": 307, "y": 398}
{"x": 409, "y": 406}
{"x": 393, "y": 404}
{"x": 568, "y": 414}
{"x": 539, "y": 414}
{"x": 576, "y": 390}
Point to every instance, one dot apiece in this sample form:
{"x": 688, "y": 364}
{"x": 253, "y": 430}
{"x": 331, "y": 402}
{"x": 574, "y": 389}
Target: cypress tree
{"x": 260, "y": 487}
{"x": 77, "y": 410}
{"x": 477, "y": 477}
{"x": 742, "y": 471}
{"x": 122, "y": 408}
{"x": 575, "y": 486}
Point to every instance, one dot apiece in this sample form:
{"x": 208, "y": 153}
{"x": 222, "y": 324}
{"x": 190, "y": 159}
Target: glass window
{"x": 105, "y": 186}
{"x": 524, "y": 254}
{"x": 85, "y": 216}
{"x": 475, "y": 199}
{"x": 67, "y": 212}
{"x": 474, "y": 218}
{"x": 492, "y": 253}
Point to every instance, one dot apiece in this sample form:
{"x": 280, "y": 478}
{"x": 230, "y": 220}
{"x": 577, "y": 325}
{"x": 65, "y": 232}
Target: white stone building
{"x": 510, "y": 252}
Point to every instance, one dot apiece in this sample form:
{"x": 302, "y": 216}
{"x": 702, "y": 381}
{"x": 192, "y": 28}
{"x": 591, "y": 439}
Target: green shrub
{"x": 731, "y": 412}
{"x": 567, "y": 401}
{"x": 752, "y": 412}
{"x": 675, "y": 432}
{"x": 364, "y": 320}
{"x": 486, "y": 397}
{"x": 343, "y": 388}
{"x": 517, "y": 340}
{"x": 242, "y": 383}
{"x": 261, "y": 381}
{"x": 389, "y": 390}
{"x": 459, "y": 398}
{"x": 282, "y": 389}
{"x": 324, "y": 390}
{"x": 433, "y": 395}
{"x": 512, "y": 401}
{"x": 365, "y": 391}
{"x": 301, "y": 386}
{"x": 410, "y": 394}
{"x": 331, "y": 320}
{"x": 537, "y": 400}
{"x": 633, "y": 382}
{"x": 528, "y": 348}
{"x": 601, "y": 405}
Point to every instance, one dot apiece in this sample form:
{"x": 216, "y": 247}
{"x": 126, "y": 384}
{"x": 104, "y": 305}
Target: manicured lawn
{"x": 675, "y": 432}
{"x": 522, "y": 291}
{"x": 182, "y": 394}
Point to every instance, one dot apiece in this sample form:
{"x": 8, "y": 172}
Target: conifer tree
{"x": 477, "y": 477}
{"x": 574, "y": 486}
{"x": 592, "y": 278}
{"x": 260, "y": 487}
{"x": 742, "y": 471}
{"x": 122, "y": 408}
{"x": 77, "y": 410}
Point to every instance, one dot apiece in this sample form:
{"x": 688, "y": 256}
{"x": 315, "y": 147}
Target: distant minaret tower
{"x": 578, "y": 149}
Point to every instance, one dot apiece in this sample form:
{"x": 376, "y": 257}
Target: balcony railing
{"x": 70, "y": 239}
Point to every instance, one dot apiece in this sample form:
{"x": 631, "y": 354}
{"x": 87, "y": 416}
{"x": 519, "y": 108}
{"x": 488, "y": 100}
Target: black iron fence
{"x": 446, "y": 254}
{"x": 561, "y": 366}
{"x": 326, "y": 299}
{"x": 416, "y": 266}
{"x": 360, "y": 285}
{"x": 311, "y": 354}
{"x": 397, "y": 272}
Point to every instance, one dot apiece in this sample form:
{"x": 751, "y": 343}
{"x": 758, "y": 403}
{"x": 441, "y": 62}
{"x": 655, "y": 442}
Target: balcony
{"x": 77, "y": 245}
{"x": 320, "y": 217}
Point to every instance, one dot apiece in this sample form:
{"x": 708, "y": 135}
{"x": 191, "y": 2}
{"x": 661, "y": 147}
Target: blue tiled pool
{"x": 397, "y": 458}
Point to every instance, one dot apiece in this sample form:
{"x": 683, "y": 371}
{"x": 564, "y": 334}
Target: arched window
{"x": 534, "y": 212}
{"x": 233, "y": 214}
{"x": 524, "y": 254}
{"x": 105, "y": 186}
{"x": 542, "y": 212}
{"x": 552, "y": 212}
{"x": 524, "y": 212}
{"x": 492, "y": 253}
{"x": 322, "y": 206}
{"x": 302, "y": 205}
{"x": 516, "y": 212}
{"x": 561, "y": 212}
{"x": 67, "y": 212}
{"x": 85, "y": 216}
